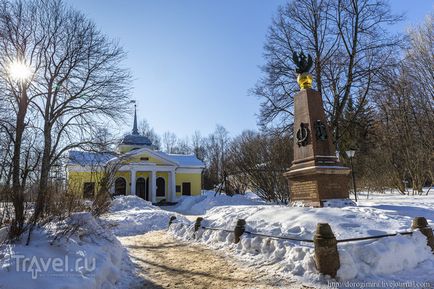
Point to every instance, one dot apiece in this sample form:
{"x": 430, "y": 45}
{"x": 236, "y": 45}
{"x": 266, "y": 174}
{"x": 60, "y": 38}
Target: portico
{"x": 148, "y": 181}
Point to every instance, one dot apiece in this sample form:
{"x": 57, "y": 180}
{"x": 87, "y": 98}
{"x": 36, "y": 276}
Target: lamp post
{"x": 350, "y": 154}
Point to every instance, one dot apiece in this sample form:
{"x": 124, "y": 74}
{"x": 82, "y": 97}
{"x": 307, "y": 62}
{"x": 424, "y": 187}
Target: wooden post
{"x": 239, "y": 230}
{"x": 421, "y": 224}
{"x": 197, "y": 224}
{"x": 172, "y": 218}
{"x": 326, "y": 250}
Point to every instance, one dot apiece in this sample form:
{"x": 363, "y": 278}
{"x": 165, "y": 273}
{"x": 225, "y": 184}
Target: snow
{"x": 397, "y": 258}
{"x": 88, "y": 158}
{"x": 199, "y": 205}
{"x": 131, "y": 215}
{"x": 89, "y": 259}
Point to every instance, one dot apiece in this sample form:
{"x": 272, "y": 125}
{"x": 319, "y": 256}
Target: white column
{"x": 133, "y": 182}
{"x": 172, "y": 188}
{"x": 153, "y": 185}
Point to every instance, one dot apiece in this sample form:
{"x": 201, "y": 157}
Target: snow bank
{"x": 124, "y": 203}
{"x": 131, "y": 215}
{"x": 89, "y": 259}
{"x": 198, "y": 205}
{"x": 399, "y": 258}
{"x": 384, "y": 257}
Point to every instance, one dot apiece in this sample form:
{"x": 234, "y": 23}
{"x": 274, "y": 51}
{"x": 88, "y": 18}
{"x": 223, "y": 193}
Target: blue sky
{"x": 194, "y": 61}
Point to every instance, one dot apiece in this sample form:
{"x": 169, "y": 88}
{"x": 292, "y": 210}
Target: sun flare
{"x": 19, "y": 71}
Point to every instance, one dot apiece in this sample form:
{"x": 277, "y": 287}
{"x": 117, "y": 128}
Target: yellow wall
{"x": 142, "y": 175}
{"x": 76, "y": 180}
{"x": 151, "y": 159}
{"x": 194, "y": 179}
{"x": 126, "y": 148}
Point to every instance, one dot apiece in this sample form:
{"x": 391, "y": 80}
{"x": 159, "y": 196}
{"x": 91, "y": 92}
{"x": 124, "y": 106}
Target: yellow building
{"x": 140, "y": 170}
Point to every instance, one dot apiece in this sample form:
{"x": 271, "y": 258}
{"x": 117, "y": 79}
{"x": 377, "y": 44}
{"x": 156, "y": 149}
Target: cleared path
{"x": 165, "y": 262}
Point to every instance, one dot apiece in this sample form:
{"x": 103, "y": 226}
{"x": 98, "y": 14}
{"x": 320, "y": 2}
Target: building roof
{"x": 135, "y": 138}
{"x": 91, "y": 158}
{"x": 88, "y": 158}
{"x": 182, "y": 160}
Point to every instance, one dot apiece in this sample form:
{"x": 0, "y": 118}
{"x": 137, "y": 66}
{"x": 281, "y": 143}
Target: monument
{"x": 316, "y": 174}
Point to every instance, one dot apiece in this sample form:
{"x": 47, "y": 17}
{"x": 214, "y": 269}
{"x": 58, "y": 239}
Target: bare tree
{"x": 406, "y": 119}
{"x": 77, "y": 82}
{"x": 169, "y": 142}
{"x": 81, "y": 83}
{"x": 350, "y": 46}
{"x": 146, "y": 130}
{"x": 217, "y": 145}
{"x": 17, "y": 29}
{"x": 198, "y": 144}
{"x": 259, "y": 161}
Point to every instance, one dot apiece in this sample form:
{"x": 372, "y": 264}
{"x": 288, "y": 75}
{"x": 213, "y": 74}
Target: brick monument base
{"x": 316, "y": 174}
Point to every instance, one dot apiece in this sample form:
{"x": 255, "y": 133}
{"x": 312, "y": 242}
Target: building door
{"x": 88, "y": 190}
{"x": 186, "y": 189}
{"x": 141, "y": 189}
{"x": 161, "y": 187}
{"x": 120, "y": 186}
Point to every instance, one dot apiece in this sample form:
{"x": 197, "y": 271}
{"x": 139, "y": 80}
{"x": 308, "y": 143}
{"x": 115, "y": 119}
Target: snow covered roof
{"x": 91, "y": 158}
{"x": 136, "y": 139}
{"x": 88, "y": 158}
{"x": 182, "y": 160}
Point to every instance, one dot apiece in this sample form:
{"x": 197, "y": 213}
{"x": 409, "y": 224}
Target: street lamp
{"x": 350, "y": 154}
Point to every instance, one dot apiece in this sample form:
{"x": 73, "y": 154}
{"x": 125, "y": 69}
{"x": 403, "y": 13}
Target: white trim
{"x": 153, "y": 182}
{"x": 189, "y": 170}
{"x": 151, "y": 152}
{"x": 172, "y": 188}
{"x": 133, "y": 182}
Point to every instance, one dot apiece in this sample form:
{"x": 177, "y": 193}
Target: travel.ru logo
{"x": 54, "y": 266}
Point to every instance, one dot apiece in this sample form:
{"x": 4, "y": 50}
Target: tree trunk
{"x": 17, "y": 189}
{"x": 45, "y": 171}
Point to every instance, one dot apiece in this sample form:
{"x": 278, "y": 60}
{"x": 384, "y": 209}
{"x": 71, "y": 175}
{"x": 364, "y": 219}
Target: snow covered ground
{"x": 90, "y": 258}
{"x": 132, "y": 215}
{"x": 198, "y": 205}
{"x": 397, "y": 259}
{"x": 96, "y": 259}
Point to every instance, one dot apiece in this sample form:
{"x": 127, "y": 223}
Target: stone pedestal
{"x": 316, "y": 174}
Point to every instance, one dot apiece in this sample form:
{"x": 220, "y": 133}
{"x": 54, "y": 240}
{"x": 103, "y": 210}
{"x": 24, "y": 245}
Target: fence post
{"x": 326, "y": 250}
{"x": 197, "y": 225}
{"x": 172, "y": 218}
{"x": 239, "y": 230}
{"x": 421, "y": 224}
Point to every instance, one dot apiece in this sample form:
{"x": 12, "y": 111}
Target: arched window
{"x": 161, "y": 187}
{"x": 142, "y": 188}
{"x": 120, "y": 186}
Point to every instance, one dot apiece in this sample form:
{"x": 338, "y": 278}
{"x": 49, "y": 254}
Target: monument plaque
{"x": 316, "y": 174}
